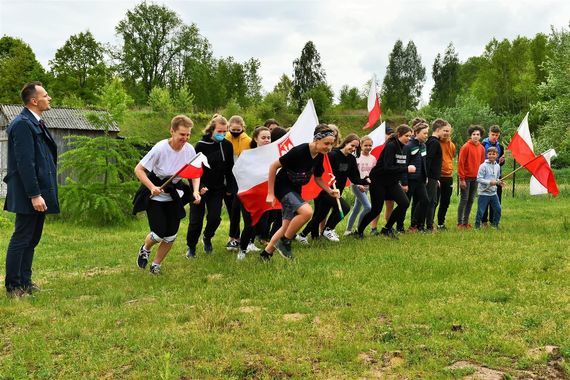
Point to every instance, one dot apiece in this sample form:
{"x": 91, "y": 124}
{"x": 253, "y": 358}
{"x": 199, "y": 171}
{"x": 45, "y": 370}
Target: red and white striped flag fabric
{"x": 378, "y": 137}
{"x": 194, "y": 168}
{"x": 374, "y": 110}
{"x": 536, "y": 186}
{"x": 522, "y": 150}
{"x": 251, "y": 169}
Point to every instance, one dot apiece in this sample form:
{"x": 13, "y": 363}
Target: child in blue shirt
{"x": 488, "y": 178}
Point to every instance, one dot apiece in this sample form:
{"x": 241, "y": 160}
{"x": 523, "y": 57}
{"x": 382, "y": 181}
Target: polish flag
{"x": 378, "y": 137}
{"x": 522, "y": 150}
{"x": 251, "y": 169}
{"x": 194, "y": 169}
{"x": 374, "y": 110}
{"x": 536, "y": 186}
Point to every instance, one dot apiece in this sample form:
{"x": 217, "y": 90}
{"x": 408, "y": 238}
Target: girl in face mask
{"x": 217, "y": 181}
{"x": 240, "y": 141}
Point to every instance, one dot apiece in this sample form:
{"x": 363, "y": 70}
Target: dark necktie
{"x": 43, "y": 127}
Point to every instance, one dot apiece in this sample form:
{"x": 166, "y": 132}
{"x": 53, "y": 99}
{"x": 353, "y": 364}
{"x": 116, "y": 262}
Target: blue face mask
{"x": 219, "y": 137}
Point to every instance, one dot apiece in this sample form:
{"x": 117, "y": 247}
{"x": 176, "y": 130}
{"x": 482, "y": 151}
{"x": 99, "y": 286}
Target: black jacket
{"x": 415, "y": 155}
{"x": 221, "y": 160}
{"x": 344, "y": 167}
{"x": 434, "y": 158}
{"x": 32, "y": 166}
{"x": 391, "y": 164}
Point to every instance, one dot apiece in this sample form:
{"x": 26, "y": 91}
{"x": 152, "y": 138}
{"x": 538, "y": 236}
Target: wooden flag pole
{"x": 178, "y": 172}
{"x": 522, "y": 166}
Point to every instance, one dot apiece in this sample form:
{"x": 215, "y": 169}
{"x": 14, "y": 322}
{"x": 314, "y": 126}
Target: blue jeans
{"x": 482, "y": 204}
{"x": 361, "y": 201}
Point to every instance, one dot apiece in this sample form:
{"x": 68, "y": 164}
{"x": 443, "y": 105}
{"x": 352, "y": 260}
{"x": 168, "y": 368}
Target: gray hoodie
{"x": 488, "y": 171}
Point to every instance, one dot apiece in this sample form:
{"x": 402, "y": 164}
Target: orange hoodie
{"x": 471, "y": 156}
{"x": 448, "y": 152}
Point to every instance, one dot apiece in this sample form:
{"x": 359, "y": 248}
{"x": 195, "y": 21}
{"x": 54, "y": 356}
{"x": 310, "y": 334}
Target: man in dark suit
{"x": 32, "y": 186}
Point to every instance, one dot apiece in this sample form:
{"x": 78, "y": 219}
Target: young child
{"x": 297, "y": 166}
{"x": 488, "y": 180}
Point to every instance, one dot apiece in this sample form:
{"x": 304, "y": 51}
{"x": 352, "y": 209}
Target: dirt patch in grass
{"x": 294, "y": 317}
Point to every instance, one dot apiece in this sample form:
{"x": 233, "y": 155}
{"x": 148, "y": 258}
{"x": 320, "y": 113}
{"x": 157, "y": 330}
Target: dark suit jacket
{"x": 32, "y": 169}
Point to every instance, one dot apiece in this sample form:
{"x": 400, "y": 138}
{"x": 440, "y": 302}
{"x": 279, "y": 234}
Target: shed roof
{"x": 60, "y": 118}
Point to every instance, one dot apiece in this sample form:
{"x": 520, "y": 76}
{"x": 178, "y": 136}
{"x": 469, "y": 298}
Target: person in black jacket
{"x": 32, "y": 186}
{"x": 344, "y": 166}
{"x": 385, "y": 181}
{"x": 434, "y": 159}
{"x": 217, "y": 181}
{"x": 416, "y": 155}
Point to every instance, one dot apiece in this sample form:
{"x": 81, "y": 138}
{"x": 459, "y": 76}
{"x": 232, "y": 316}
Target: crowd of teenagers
{"x": 414, "y": 170}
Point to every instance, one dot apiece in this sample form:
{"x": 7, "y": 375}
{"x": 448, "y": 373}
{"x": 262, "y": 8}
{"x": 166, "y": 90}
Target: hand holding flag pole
{"x": 196, "y": 173}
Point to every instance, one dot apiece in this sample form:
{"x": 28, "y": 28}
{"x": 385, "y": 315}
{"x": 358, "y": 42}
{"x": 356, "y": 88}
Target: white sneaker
{"x": 335, "y": 234}
{"x": 241, "y": 255}
{"x": 330, "y": 235}
{"x": 347, "y": 232}
{"x": 302, "y": 239}
{"x": 252, "y": 248}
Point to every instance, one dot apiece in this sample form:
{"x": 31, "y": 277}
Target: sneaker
{"x": 388, "y": 232}
{"x": 16, "y": 293}
{"x": 413, "y": 229}
{"x": 374, "y": 232}
{"x": 142, "y": 258}
{"x": 190, "y": 253}
{"x": 461, "y": 226}
{"x": 347, "y": 232}
{"x": 330, "y": 235}
{"x": 31, "y": 288}
{"x": 265, "y": 256}
{"x": 400, "y": 230}
{"x": 241, "y": 255}
{"x": 155, "y": 268}
{"x": 284, "y": 248}
{"x": 233, "y": 245}
{"x": 207, "y": 245}
{"x": 358, "y": 235}
{"x": 468, "y": 226}
{"x": 441, "y": 227}
{"x": 302, "y": 239}
{"x": 251, "y": 247}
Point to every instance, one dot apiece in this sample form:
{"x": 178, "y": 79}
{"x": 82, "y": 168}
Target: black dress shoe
{"x": 31, "y": 288}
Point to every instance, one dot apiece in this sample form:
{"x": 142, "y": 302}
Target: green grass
{"x": 337, "y": 311}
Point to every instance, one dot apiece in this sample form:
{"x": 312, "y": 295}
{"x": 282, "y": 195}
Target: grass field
{"x": 357, "y": 309}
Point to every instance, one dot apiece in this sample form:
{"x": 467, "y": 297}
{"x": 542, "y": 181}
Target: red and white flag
{"x": 251, "y": 169}
{"x": 522, "y": 150}
{"x": 374, "y": 110}
{"x": 536, "y": 186}
{"x": 194, "y": 169}
{"x": 378, "y": 137}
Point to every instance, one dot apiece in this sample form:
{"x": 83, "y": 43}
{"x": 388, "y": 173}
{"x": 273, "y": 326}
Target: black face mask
{"x": 236, "y": 134}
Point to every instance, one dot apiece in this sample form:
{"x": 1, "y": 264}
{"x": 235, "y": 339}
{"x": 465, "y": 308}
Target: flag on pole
{"x": 374, "y": 111}
{"x": 194, "y": 168}
{"x": 251, "y": 169}
{"x": 378, "y": 137}
{"x": 536, "y": 186}
{"x": 522, "y": 149}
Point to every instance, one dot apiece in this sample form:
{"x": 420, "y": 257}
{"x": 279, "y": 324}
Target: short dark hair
{"x": 277, "y": 133}
{"x": 181, "y": 121}
{"x": 495, "y": 129}
{"x": 29, "y": 91}
{"x": 268, "y": 122}
{"x": 438, "y": 124}
{"x": 474, "y": 128}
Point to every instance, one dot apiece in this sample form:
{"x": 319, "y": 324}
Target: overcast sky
{"x": 354, "y": 38}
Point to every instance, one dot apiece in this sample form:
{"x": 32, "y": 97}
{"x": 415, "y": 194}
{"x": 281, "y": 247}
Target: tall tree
{"x": 78, "y": 67}
{"x": 308, "y": 73}
{"x": 405, "y": 77}
{"x": 253, "y": 80}
{"x": 350, "y": 98}
{"x": 445, "y": 74}
{"x": 153, "y": 36}
{"x": 18, "y": 65}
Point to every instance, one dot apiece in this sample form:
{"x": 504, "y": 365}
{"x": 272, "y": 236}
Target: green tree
{"x": 405, "y": 76}
{"x": 159, "y": 100}
{"x": 322, "y": 96}
{"x": 350, "y": 98}
{"x": 78, "y": 67}
{"x": 253, "y": 80}
{"x": 285, "y": 88}
{"x": 308, "y": 73}
{"x": 18, "y": 65}
{"x": 445, "y": 74}
{"x": 153, "y": 37}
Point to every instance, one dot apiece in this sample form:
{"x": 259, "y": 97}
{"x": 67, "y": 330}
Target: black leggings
{"x": 379, "y": 192}
{"x": 323, "y": 204}
{"x": 212, "y": 200}
{"x": 233, "y": 205}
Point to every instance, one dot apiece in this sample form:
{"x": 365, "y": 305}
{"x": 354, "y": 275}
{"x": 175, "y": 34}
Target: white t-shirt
{"x": 164, "y": 161}
{"x": 365, "y": 164}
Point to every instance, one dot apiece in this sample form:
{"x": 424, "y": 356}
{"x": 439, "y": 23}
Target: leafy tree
{"x": 405, "y": 76}
{"x": 183, "y": 100}
{"x": 445, "y": 73}
{"x": 18, "y": 65}
{"x": 101, "y": 182}
{"x": 322, "y": 96}
{"x": 308, "y": 73}
{"x": 253, "y": 80}
{"x": 159, "y": 100}
{"x": 78, "y": 67}
{"x": 153, "y": 37}
{"x": 285, "y": 88}
{"x": 350, "y": 98}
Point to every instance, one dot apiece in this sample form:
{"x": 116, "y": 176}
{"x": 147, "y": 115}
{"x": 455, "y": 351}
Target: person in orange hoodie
{"x": 445, "y": 189}
{"x": 471, "y": 156}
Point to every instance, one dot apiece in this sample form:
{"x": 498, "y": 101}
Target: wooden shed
{"x": 60, "y": 121}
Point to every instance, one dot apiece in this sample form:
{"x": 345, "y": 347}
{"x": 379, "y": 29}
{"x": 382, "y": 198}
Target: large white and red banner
{"x": 378, "y": 137}
{"x": 373, "y": 105}
{"x": 251, "y": 169}
{"x": 522, "y": 149}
